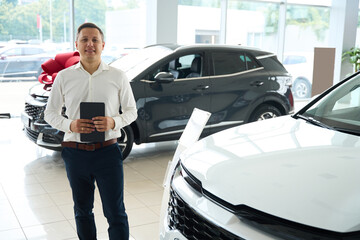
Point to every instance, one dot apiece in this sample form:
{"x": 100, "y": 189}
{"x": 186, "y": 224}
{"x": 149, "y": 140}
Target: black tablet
{"x": 88, "y": 110}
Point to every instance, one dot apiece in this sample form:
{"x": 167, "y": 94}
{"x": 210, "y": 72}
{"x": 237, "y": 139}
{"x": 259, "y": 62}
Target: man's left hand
{"x": 103, "y": 124}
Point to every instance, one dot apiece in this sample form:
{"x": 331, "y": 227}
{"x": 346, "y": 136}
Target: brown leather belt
{"x": 88, "y": 146}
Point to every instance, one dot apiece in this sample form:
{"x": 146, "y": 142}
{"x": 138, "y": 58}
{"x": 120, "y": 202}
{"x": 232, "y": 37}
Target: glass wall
{"x": 291, "y": 30}
{"x": 358, "y": 30}
{"x": 32, "y": 31}
{"x": 199, "y": 21}
{"x": 254, "y": 24}
{"x": 306, "y": 27}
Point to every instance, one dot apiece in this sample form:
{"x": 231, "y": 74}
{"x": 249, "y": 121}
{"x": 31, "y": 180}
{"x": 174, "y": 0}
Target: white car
{"x": 300, "y": 66}
{"x": 291, "y": 177}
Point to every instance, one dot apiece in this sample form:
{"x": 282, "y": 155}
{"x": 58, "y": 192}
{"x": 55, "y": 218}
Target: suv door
{"x": 169, "y": 102}
{"x": 238, "y": 81}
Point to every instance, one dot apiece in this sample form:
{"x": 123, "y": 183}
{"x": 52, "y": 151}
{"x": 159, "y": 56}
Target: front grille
{"x": 34, "y": 111}
{"x": 48, "y": 138}
{"x": 191, "y": 224}
{"x": 181, "y": 215}
{"x": 31, "y": 134}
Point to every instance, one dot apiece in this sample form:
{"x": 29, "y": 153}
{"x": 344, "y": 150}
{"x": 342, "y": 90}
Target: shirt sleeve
{"x": 52, "y": 113}
{"x": 128, "y": 105}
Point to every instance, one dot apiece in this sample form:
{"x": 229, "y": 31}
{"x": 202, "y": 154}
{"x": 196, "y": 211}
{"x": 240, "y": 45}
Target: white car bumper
{"x": 203, "y": 215}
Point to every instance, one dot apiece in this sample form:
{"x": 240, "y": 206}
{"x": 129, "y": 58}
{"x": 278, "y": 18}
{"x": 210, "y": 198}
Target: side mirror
{"x": 3, "y": 57}
{"x": 164, "y": 77}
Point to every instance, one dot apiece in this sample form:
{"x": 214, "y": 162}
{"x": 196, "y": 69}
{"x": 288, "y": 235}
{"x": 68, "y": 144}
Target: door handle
{"x": 257, "y": 83}
{"x": 201, "y": 88}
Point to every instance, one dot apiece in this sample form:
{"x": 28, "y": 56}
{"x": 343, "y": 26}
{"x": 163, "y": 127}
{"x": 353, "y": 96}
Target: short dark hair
{"x": 89, "y": 25}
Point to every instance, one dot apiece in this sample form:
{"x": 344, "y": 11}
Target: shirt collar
{"x": 102, "y": 67}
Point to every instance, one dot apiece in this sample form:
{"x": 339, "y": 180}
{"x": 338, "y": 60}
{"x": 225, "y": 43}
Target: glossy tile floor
{"x": 35, "y": 197}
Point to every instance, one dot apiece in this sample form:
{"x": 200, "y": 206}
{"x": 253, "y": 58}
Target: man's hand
{"x": 82, "y": 126}
{"x": 103, "y": 124}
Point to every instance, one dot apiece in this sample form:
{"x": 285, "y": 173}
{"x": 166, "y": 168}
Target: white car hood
{"x": 284, "y": 167}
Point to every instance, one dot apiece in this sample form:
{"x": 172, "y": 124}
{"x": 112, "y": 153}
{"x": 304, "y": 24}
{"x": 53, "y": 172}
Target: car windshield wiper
{"x": 349, "y": 131}
{"x": 315, "y": 122}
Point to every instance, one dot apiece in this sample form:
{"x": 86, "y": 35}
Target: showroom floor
{"x": 35, "y": 197}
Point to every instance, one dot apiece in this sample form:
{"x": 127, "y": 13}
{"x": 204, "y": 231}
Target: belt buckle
{"x": 90, "y": 147}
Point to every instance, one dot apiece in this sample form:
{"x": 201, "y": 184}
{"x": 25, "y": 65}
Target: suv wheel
{"x": 301, "y": 88}
{"x": 126, "y": 141}
{"x": 264, "y": 112}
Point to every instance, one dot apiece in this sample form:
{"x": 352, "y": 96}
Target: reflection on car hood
{"x": 284, "y": 167}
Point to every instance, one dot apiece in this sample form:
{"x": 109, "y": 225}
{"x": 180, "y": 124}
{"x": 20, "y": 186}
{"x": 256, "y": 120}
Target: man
{"x": 92, "y": 80}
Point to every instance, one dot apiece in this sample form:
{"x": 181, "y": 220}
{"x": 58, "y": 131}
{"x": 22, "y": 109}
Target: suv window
{"x": 13, "y": 52}
{"x": 32, "y": 51}
{"x": 272, "y": 63}
{"x": 228, "y": 63}
{"x": 183, "y": 67}
{"x": 251, "y": 62}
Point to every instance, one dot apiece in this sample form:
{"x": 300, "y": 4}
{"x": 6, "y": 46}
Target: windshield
{"x": 135, "y": 62}
{"x": 340, "y": 109}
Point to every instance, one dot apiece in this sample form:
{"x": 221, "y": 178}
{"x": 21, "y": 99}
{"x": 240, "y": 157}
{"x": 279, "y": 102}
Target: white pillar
{"x": 281, "y": 30}
{"x": 161, "y": 21}
{"x": 72, "y": 25}
{"x": 343, "y": 25}
{"x": 223, "y": 21}
{"x": 51, "y": 31}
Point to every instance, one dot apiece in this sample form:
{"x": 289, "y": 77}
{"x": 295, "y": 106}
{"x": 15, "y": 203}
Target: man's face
{"x": 90, "y": 44}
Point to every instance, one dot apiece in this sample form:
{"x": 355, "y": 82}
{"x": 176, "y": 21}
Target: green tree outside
{"x": 20, "y": 21}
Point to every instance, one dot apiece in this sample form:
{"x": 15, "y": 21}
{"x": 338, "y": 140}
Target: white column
{"x": 223, "y": 21}
{"x": 161, "y": 21}
{"x": 72, "y": 25}
{"x": 343, "y": 25}
{"x": 281, "y": 30}
{"x": 51, "y": 32}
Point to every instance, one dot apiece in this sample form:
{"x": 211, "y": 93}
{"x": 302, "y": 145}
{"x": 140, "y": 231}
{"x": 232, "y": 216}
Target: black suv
{"x": 236, "y": 84}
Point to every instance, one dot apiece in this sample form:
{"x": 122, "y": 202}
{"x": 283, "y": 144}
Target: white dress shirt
{"x": 74, "y": 85}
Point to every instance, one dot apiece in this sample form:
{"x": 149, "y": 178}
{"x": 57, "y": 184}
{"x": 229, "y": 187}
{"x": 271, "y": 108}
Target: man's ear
{"x": 76, "y": 45}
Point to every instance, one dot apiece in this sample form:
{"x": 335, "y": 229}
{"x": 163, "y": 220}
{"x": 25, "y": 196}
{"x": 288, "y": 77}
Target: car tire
{"x": 301, "y": 88}
{"x": 264, "y": 112}
{"x": 126, "y": 141}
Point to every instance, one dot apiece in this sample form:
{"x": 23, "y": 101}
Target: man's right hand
{"x": 82, "y": 126}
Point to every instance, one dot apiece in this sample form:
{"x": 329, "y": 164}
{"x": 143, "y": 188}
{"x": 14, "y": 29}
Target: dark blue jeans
{"x": 105, "y": 166}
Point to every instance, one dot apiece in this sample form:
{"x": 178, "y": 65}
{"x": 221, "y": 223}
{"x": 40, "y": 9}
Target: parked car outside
{"x": 291, "y": 177}
{"x": 236, "y": 84}
{"x": 21, "y": 62}
{"x": 111, "y": 53}
{"x": 300, "y": 66}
